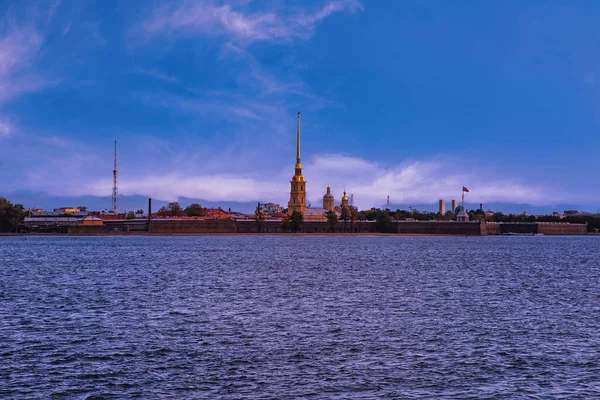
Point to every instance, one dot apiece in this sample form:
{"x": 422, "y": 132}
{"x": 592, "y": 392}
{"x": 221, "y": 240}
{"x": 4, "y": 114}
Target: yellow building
{"x": 328, "y": 200}
{"x": 298, "y": 184}
{"x": 344, "y": 200}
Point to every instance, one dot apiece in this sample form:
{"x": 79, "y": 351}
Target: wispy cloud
{"x": 156, "y": 74}
{"x": 415, "y": 182}
{"x": 18, "y": 48}
{"x": 6, "y": 128}
{"x": 211, "y": 18}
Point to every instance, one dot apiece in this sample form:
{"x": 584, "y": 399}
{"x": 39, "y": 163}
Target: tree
{"x": 383, "y": 221}
{"x": 296, "y": 220}
{"x": 259, "y": 218}
{"x": 163, "y": 211}
{"x": 130, "y": 215}
{"x": 286, "y": 223}
{"x": 174, "y": 209}
{"x": 353, "y": 217}
{"x": 332, "y": 220}
{"x": 140, "y": 211}
{"x": 11, "y": 216}
{"x": 362, "y": 216}
{"x": 345, "y": 216}
{"x": 195, "y": 210}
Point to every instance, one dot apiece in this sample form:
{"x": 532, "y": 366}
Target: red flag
{"x": 465, "y": 189}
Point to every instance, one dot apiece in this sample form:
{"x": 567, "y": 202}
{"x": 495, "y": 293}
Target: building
{"x": 270, "y": 208}
{"x": 328, "y": 200}
{"x": 315, "y": 214}
{"x": 344, "y": 202}
{"x": 462, "y": 216}
{"x": 298, "y": 184}
{"x": 63, "y": 211}
{"x": 442, "y": 207}
{"x": 454, "y": 205}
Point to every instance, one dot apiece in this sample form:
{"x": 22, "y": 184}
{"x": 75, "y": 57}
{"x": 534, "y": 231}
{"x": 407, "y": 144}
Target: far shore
{"x": 320, "y": 234}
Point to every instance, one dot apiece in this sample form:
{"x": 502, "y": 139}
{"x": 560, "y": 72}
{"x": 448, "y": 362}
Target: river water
{"x": 287, "y": 317}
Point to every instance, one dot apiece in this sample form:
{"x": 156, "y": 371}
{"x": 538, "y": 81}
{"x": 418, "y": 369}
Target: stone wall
{"x": 86, "y": 229}
{"x": 562, "y": 229}
{"x": 182, "y": 227}
{"x": 535, "y": 228}
{"x": 439, "y": 228}
{"x": 249, "y": 226}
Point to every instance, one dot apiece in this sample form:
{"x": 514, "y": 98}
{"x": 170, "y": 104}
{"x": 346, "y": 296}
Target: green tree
{"x": 195, "y": 210}
{"x": 130, "y": 215}
{"x": 163, "y": 211}
{"x": 259, "y": 218}
{"x": 11, "y": 216}
{"x": 345, "y": 216}
{"x": 383, "y": 221}
{"x": 353, "y": 217}
{"x": 286, "y": 223}
{"x": 332, "y": 220}
{"x": 140, "y": 211}
{"x": 174, "y": 209}
{"x": 296, "y": 220}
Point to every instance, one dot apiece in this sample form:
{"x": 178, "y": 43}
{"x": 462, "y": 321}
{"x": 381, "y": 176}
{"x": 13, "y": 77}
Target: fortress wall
{"x": 562, "y": 229}
{"x": 192, "y": 226}
{"x": 491, "y": 229}
{"x": 440, "y": 228}
{"x": 249, "y": 226}
{"x": 85, "y": 229}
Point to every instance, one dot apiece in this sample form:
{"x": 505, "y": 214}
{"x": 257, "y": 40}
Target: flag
{"x": 465, "y": 189}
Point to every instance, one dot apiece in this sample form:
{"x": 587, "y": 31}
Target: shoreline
{"x": 319, "y": 234}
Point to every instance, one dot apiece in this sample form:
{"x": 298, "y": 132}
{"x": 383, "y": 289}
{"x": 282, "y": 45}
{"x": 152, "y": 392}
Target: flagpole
{"x": 463, "y": 198}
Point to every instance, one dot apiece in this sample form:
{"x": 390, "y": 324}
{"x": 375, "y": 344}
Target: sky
{"x": 407, "y": 99}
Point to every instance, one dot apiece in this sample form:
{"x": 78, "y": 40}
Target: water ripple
{"x": 286, "y": 317}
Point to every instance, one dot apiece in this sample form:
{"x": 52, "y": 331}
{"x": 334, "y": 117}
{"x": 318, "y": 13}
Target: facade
{"x": 462, "y": 216}
{"x": 270, "y": 208}
{"x": 59, "y": 212}
{"x": 315, "y": 214}
{"x": 344, "y": 202}
{"x": 328, "y": 200}
{"x": 298, "y": 184}
{"x": 442, "y": 207}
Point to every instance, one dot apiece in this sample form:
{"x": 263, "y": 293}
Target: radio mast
{"x": 115, "y": 191}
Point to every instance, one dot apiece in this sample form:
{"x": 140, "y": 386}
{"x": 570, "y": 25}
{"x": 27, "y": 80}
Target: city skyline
{"x": 202, "y": 99}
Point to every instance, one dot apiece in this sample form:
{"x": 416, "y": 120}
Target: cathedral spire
{"x": 298, "y": 141}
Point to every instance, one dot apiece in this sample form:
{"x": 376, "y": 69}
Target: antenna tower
{"x": 115, "y": 191}
{"x": 352, "y": 199}
{"x": 388, "y": 202}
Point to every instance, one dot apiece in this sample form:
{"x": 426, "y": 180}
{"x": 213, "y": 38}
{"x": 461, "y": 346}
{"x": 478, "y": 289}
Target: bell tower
{"x": 298, "y": 184}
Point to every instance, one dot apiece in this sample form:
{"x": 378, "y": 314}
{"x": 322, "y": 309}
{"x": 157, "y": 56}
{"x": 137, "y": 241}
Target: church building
{"x": 298, "y": 192}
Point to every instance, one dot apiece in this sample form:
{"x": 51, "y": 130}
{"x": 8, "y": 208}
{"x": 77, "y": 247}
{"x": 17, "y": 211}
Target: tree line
{"x": 11, "y": 216}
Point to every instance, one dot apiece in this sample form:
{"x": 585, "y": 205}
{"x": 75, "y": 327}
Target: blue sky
{"x": 410, "y": 99}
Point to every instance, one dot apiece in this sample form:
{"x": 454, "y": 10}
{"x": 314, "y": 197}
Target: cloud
{"x": 6, "y": 128}
{"x": 18, "y": 48}
{"x": 413, "y": 182}
{"x": 156, "y": 74}
{"x": 210, "y": 18}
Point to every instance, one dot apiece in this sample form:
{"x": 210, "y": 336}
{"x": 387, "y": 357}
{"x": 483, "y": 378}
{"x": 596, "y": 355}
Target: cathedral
{"x": 298, "y": 192}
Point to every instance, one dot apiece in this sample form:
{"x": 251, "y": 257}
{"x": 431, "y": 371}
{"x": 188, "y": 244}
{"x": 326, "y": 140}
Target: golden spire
{"x": 298, "y": 141}
{"x": 328, "y": 189}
